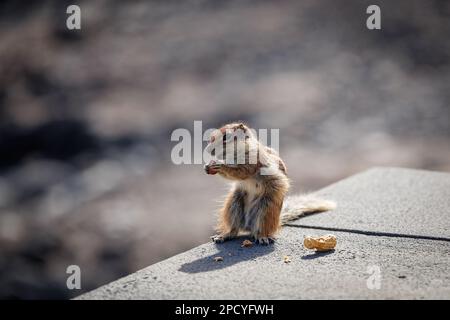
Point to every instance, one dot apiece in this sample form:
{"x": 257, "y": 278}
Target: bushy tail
{"x": 295, "y": 207}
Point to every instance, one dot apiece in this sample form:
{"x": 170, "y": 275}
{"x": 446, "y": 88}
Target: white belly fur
{"x": 254, "y": 190}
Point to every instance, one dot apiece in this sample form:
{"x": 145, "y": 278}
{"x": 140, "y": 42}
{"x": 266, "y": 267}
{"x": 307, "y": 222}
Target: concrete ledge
{"x": 393, "y": 220}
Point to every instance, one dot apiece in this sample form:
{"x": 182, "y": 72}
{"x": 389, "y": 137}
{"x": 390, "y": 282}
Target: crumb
{"x": 246, "y": 244}
{"x": 218, "y": 259}
{"x": 287, "y": 259}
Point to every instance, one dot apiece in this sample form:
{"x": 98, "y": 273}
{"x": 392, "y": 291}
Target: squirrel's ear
{"x": 241, "y": 126}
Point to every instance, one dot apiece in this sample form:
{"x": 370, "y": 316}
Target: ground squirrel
{"x": 260, "y": 183}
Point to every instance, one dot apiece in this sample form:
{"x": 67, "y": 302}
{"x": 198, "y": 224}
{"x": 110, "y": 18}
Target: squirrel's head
{"x": 233, "y": 135}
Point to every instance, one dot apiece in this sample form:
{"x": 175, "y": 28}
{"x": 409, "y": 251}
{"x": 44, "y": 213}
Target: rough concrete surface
{"x": 395, "y": 221}
{"x": 389, "y": 200}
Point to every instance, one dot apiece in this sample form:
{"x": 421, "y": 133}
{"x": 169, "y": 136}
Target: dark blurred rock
{"x": 62, "y": 140}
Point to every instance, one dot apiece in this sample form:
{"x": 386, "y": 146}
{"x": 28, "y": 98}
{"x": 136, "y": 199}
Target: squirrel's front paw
{"x": 213, "y": 167}
{"x": 218, "y": 238}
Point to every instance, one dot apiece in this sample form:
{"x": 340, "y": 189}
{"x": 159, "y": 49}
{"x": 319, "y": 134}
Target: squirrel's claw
{"x": 265, "y": 240}
{"x": 218, "y": 238}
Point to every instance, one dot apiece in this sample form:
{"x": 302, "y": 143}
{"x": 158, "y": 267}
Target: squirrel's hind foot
{"x": 265, "y": 241}
{"x": 220, "y": 238}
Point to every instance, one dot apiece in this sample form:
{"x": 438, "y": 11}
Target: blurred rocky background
{"x": 86, "y": 117}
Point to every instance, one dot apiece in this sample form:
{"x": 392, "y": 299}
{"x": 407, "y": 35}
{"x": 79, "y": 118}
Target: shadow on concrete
{"x": 231, "y": 252}
{"x": 371, "y": 233}
{"x": 317, "y": 254}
